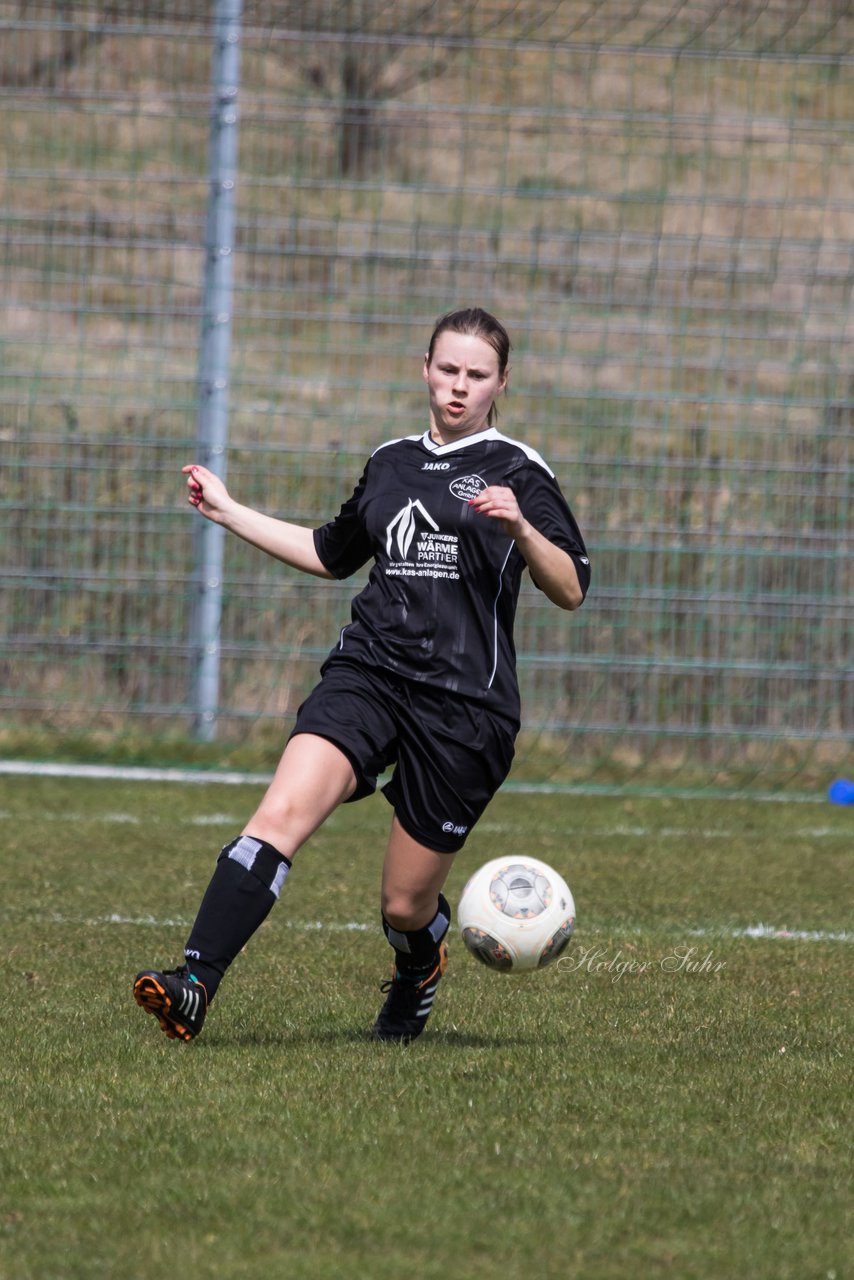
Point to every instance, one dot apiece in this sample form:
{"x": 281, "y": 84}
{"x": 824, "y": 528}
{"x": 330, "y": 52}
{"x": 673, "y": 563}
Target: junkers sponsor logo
{"x": 467, "y": 487}
{"x": 436, "y": 466}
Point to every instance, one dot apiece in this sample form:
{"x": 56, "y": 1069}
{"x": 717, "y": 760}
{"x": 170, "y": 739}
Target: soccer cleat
{"x": 408, "y": 1002}
{"x": 178, "y": 1001}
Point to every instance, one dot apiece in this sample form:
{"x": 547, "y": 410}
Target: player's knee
{"x": 283, "y": 822}
{"x": 407, "y": 909}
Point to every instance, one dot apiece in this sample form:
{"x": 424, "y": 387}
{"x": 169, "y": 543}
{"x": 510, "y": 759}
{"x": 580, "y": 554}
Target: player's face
{"x": 462, "y": 382}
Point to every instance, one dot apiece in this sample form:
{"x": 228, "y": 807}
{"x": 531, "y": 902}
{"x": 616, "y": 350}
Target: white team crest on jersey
{"x": 467, "y": 487}
{"x": 401, "y": 530}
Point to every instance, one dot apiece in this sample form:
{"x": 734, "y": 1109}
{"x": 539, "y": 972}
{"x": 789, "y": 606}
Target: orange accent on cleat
{"x": 408, "y": 1003}
{"x": 174, "y": 1000}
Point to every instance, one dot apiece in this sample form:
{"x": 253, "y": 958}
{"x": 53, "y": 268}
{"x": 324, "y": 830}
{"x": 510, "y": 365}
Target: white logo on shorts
{"x": 451, "y": 828}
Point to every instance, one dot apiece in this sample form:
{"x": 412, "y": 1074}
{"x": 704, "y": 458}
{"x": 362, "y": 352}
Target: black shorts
{"x": 450, "y": 754}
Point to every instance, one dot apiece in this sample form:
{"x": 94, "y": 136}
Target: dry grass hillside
{"x": 658, "y": 199}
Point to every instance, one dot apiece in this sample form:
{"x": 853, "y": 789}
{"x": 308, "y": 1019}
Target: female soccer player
{"x": 423, "y": 677}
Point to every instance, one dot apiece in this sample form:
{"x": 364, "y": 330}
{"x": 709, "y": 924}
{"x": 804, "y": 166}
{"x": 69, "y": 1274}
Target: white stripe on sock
{"x": 245, "y": 851}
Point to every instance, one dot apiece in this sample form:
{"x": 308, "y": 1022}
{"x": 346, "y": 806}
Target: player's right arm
{"x": 290, "y": 543}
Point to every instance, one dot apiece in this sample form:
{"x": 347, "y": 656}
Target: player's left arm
{"x": 552, "y": 568}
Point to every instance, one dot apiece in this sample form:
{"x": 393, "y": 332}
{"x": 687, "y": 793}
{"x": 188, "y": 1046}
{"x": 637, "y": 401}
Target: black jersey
{"x": 441, "y": 598}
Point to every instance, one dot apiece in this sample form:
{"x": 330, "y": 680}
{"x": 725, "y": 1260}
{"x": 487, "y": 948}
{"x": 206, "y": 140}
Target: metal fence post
{"x": 214, "y": 357}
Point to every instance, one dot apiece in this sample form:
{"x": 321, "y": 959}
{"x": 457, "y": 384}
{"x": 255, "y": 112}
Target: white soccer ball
{"x": 516, "y": 914}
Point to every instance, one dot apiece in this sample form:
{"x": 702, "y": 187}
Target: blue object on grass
{"x": 841, "y": 791}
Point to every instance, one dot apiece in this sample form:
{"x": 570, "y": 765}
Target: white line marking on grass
{"x": 769, "y": 931}
{"x": 760, "y": 931}
{"x": 819, "y": 833}
{"x": 215, "y": 820}
{"x": 98, "y": 922}
{"x": 674, "y": 792}
{"x": 130, "y": 773}
{"x": 326, "y": 926}
{"x": 673, "y": 833}
{"x": 159, "y": 922}
{"x": 229, "y": 777}
{"x": 483, "y": 828}
{"x": 133, "y": 819}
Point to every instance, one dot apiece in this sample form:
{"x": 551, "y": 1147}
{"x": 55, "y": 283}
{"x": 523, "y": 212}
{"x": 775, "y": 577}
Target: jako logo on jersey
{"x": 403, "y": 526}
{"x": 436, "y": 466}
{"x": 467, "y": 487}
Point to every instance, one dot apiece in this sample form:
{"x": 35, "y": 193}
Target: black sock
{"x": 247, "y": 881}
{"x": 416, "y": 950}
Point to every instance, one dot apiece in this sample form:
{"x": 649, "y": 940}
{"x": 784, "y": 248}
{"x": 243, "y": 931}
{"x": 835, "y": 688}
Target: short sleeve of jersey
{"x": 542, "y": 502}
{"x": 343, "y": 544}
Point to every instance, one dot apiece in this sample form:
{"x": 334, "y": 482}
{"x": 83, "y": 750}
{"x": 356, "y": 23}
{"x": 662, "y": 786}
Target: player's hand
{"x": 207, "y": 493}
{"x": 499, "y": 503}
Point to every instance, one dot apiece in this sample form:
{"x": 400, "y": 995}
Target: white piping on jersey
{"x": 530, "y": 454}
{"x": 491, "y": 433}
{"x": 495, "y": 615}
{"x": 398, "y": 440}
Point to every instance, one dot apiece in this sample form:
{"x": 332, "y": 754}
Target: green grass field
{"x": 669, "y": 1100}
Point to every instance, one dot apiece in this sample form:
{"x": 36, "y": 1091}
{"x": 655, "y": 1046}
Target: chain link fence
{"x": 658, "y": 200}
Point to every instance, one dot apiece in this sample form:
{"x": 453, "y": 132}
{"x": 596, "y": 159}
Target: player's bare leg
{"x": 312, "y": 778}
{"x": 416, "y": 917}
{"x": 413, "y": 877}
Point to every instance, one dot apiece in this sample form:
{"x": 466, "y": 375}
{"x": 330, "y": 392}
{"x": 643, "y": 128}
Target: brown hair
{"x": 474, "y": 322}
